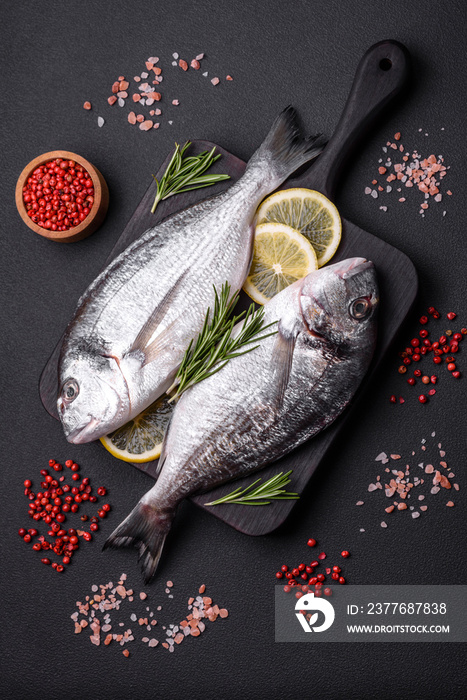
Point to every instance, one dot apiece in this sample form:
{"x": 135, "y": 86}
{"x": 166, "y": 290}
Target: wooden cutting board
{"x": 380, "y": 76}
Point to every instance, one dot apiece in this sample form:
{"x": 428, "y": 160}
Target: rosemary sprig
{"x": 184, "y": 174}
{"x": 272, "y": 489}
{"x": 216, "y": 344}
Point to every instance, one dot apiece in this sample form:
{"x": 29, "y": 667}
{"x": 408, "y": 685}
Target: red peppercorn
{"x": 423, "y": 333}
{"x": 101, "y": 491}
{"x": 284, "y": 568}
{"x": 426, "y": 379}
{"x": 318, "y": 584}
{"x": 287, "y": 589}
{"x": 423, "y": 320}
{"x": 451, "y": 315}
{"x": 402, "y": 369}
{"x": 301, "y": 567}
{"x": 407, "y": 361}
{"x": 411, "y": 381}
{"x": 304, "y": 576}
{"x": 321, "y": 577}
{"x": 345, "y": 554}
{"x": 416, "y": 358}
{"x": 318, "y": 593}
{"x": 392, "y": 399}
{"x": 45, "y": 561}
{"x": 457, "y": 337}
{"x": 415, "y": 342}
{"x": 437, "y": 360}
{"x": 28, "y": 483}
{"x": 74, "y": 467}
{"x": 94, "y": 527}
{"x": 464, "y": 331}
{"x": 335, "y": 576}
{"x": 59, "y": 568}
{"x": 296, "y": 572}
{"x": 341, "y": 580}
{"x": 311, "y": 542}
{"x": 298, "y": 594}
{"x": 66, "y": 560}
{"x": 328, "y": 591}
{"x": 279, "y": 574}
{"x": 22, "y": 532}
{"x": 456, "y": 374}
{"x": 417, "y": 372}
{"x": 432, "y": 392}
{"x": 422, "y": 398}
{"x": 433, "y": 379}
{"x": 313, "y": 580}
{"x": 451, "y": 366}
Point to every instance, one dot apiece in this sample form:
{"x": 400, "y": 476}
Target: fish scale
{"x": 132, "y": 326}
{"x": 263, "y": 404}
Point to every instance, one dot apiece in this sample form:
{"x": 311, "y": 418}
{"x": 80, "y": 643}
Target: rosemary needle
{"x": 185, "y": 174}
{"x": 216, "y": 344}
{"x": 272, "y": 489}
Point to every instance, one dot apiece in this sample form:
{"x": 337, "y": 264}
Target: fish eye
{"x": 70, "y": 390}
{"x": 359, "y": 308}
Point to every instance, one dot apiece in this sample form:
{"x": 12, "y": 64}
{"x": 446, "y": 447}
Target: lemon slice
{"x": 281, "y": 256}
{"x": 309, "y": 212}
{"x": 140, "y": 440}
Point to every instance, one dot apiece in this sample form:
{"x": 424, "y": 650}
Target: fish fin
{"x": 160, "y": 343}
{"x": 160, "y": 463}
{"x": 281, "y": 361}
{"x": 283, "y": 150}
{"x": 155, "y": 319}
{"x": 146, "y": 528}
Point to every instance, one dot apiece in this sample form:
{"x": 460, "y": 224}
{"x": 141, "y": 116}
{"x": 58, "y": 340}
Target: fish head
{"x": 93, "y": 398}
{"x": 338, "y": 303}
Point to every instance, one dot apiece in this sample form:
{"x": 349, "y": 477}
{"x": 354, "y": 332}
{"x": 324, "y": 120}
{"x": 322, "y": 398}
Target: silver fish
{"x": 133, "y": 324}
{"x": 262, "y": 405}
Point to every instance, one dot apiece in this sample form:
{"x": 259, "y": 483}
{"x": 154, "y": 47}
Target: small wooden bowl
{"x": 98, "y": 211}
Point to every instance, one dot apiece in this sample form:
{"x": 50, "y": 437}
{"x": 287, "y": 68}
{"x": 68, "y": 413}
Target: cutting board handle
{"x": 380, "y": 76}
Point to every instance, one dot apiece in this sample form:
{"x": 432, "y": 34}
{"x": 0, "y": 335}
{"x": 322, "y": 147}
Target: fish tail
{"x": 283, "y": 150}
{"x": 146, "y": 528}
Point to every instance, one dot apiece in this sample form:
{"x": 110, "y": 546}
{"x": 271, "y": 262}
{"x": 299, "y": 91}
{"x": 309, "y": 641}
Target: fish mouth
{"x": 78, "y": 436}
{"x": 353, "y": 266}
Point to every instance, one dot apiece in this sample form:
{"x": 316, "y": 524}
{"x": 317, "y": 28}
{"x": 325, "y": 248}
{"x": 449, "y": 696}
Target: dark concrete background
{"x": 55, "y": 56}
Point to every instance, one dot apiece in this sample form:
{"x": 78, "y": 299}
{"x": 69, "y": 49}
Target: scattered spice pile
{"x": 96, "y": 609}
{"x": 52, "y": 506}
{"x": 400, "y": 171}
{"x": 146, "y": 92}
{"x": 309, "y": 581}
{"x": 434, "y": 475}
{"x": 58, "y": 195}
{"x": 444, "y": 348}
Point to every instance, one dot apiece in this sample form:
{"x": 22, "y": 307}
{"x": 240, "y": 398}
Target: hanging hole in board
{"x": 385, "y": 64}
